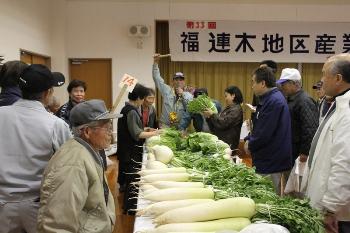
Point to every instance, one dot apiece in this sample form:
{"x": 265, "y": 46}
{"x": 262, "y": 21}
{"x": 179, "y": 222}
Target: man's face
{"x": 179, "y": 82}
{"x": 258, "y": 88}
{"x": 329, "y": 80}
{"x": 320, "y": 92}
{"x": 77, "y": 94}
{"x": 288, "y": 88}
{"x": 100, "y": 136}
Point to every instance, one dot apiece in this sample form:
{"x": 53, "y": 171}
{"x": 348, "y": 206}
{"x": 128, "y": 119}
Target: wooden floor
{"x": 125, "y": 223}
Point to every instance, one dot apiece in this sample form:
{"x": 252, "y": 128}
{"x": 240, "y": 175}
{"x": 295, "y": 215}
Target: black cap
{"x": 38, "y": 78}
{"x": 317, "y": 85}
{"x": 179, "y": 75}
{"x": 89, "y": 111}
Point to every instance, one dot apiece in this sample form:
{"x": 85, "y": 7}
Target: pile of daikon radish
{"x": 181, "y": 205}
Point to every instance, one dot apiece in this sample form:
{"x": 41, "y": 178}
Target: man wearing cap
{"x": 29, "y": 137}
{"x": 328, "y": 168}
{"x": 303, "y": 112}
{"x": 74, "y": 194}
{"x": 175, "y": 98}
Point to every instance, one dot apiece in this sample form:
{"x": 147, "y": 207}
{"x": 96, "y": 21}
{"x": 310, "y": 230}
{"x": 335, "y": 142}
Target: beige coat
{"x": 72, "y": 197}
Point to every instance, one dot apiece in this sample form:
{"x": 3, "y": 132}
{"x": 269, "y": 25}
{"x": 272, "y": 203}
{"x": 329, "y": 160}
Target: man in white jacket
{"x": 328, "y": 183}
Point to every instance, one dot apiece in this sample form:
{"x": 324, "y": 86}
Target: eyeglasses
{"x": 108, "y": 130}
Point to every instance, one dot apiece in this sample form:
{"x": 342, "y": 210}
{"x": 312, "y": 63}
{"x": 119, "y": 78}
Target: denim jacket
{"x": 170, "y": 102}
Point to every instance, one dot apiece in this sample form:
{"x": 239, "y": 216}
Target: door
{"x": 97, "y": 74}
{"x": 35, "y": 58}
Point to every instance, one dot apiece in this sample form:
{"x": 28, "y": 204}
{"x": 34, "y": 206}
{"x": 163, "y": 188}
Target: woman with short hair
{"x": 76, "y": 90}
{"x": 227, "y": 124}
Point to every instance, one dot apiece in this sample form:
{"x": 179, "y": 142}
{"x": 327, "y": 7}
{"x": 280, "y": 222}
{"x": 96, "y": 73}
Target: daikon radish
{"x": 149, "y": 191}
{"x": 159, "y": 208}
{"x": 174, "y": 184}
{"x": 228, "y": 151}
{"x": 180, "y": 194}
{"x": 166, "y": 176}
{"x": 162, "y": 171}
{"x": 224, "y": 208}
{"x": 163, "y": 153}
{"x": 150, "y": 156}
{"x": 145, "y": 187}
{"x": 235, "y": 224}
{"x": 227, "y": 157}
{"x": 155, "y": 165}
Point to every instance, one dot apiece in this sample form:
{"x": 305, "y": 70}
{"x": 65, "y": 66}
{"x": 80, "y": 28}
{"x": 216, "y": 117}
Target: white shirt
{"x": 29, "y": 136}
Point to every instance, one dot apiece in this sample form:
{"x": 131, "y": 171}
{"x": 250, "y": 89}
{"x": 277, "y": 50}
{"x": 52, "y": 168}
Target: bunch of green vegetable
{"x": 196, "y": 141}
{"x": 201, "y": 103}
{"x": 230, "y": 180}
{"x": 169, "y": 137}
{"x": 294, "y": 214}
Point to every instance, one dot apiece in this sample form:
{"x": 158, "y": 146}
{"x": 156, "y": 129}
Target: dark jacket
{"x": 227, "y": 125}
{"x": 198, "y": 118}
{"x": 128, "y": 149}
{"x": 270, "y": 142}
{"x": 9, "y": 95}
{"x": 304, "y": 116}
{"x": 64, "y": 111}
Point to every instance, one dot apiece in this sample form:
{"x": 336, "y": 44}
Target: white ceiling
{"x": 275, "y": 2}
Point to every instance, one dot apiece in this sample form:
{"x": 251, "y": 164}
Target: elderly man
{"x": 74, "y": 195}
{"x": 328, "y": 183}
{"x": 303, "y": 112}
{"x": 29, "y": 136}
{"x": 175, "y": 98}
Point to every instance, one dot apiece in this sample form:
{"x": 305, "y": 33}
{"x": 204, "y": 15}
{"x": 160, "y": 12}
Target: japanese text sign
{"x": 238, "y": 41}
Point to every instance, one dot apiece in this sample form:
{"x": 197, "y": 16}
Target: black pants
{"x": 132, "y": 189}
{"x": 121, "y": 175}
{"x": 344, "y": 227}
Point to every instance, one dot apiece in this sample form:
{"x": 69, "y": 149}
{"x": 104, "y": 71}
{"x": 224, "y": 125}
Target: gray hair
{"x": 78, "y": 130}
{"x": 340, "y": 64}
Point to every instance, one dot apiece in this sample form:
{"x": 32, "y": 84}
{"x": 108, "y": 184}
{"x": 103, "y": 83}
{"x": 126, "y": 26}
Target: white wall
{"x": 65, "y": 29}
{"x": 37, "y": 26}
{"x": 25, "y": 25}
{"x": 98, "y": 29}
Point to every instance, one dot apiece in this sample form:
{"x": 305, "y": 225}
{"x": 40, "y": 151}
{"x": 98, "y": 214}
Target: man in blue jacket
{"x": 270, "y": 141}
{"x": 175, "y": 97}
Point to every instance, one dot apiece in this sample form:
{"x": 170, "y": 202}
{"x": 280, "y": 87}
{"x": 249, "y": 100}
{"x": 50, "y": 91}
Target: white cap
{"x": 289, "y": 74}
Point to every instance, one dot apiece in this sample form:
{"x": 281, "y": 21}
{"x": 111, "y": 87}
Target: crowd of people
{"x": 52, "y": 175}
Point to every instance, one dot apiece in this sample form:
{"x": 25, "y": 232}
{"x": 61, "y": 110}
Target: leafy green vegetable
{"x": 294, "y": 214}
{"x": 232, "y": 180}
{"x": 201, "y": 103}
{"x": 196, "y": 140}
{"x": 169, "y": 137}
